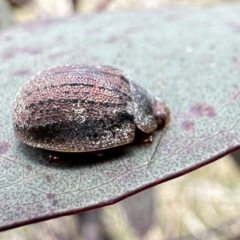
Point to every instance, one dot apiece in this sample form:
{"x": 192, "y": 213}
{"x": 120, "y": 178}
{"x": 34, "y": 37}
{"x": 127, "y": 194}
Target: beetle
{"x": 80, "y": 108}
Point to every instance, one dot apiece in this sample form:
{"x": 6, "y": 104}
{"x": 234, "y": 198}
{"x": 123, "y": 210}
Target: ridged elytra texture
{"x": 84, "y": 108}
{"x": 188, "y": 56}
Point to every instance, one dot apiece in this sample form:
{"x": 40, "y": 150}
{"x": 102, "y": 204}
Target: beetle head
{"x": 161, "y": 111}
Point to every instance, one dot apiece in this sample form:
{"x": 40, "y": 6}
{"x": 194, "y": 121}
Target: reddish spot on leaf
{"x": 7, "y": 38}
{"x": 113, "y": 39}
{"x": 4, "y": 146}
{"x": 9, "y": 53}
{"x": 202, "y": 109}
{"x": 236, "y": 59}
{"x": 36, "y": 27}
{"x": 32, "y": 51}
{"x": 187, "y": 125}
{"x": 51, "y": 196}
{"x": 56, "y": 55}
{"x": 22, "y": 72}
{"x": 235, "y": 26}
{"x": 29, "y": 167}
{"x": 55, "y": 202}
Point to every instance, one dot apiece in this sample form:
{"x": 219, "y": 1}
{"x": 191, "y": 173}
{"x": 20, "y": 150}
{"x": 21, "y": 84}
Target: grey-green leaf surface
{"x": 189, "y": 56}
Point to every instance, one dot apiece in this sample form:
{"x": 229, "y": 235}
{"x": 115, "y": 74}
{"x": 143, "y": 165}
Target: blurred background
{"x": 204, "y": 204}
{"x": 31, "y": 10}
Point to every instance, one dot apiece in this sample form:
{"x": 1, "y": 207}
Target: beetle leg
{"x": 147, "y": 138}
{"x": 98, "y": 153}
{"x": 53, "y": 157}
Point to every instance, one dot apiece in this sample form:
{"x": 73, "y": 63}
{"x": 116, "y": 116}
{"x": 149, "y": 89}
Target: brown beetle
{"x": 77, "y": 108}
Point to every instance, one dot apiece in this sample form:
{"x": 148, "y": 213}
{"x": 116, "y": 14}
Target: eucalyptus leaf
{"x": 188, "y": 56}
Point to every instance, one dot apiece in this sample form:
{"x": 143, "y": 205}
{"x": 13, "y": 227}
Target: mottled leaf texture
{"x": 190, "y": 57}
